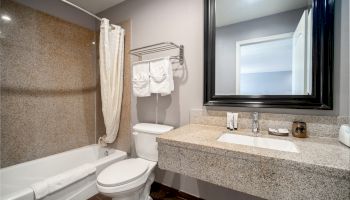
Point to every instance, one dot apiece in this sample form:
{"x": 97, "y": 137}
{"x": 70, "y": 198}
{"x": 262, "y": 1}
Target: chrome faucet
{"x": 255, "y": 124}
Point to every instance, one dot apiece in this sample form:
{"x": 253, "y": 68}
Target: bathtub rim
{"x": 56, "y": 154}
{"x": 115, "y": 156}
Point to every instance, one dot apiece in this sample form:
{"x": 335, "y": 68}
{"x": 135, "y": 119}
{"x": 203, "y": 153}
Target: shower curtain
{"x": 111, "y": 76}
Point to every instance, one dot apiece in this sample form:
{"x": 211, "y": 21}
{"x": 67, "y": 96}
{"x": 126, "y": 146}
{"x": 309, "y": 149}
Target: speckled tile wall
{"x": 48, "y": 85}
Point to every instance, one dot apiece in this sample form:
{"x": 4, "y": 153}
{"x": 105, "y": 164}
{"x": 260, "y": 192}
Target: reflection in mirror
{"x": 263, "y": 47}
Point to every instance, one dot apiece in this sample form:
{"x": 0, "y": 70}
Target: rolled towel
{"x": 41, "y": 189}
{"x": 52, "y": 184}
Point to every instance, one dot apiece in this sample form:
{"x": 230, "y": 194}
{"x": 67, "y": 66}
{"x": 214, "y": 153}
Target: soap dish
{"x": 278, "y": 132}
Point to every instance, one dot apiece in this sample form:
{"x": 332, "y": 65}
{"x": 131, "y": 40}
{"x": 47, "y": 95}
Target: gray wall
{"x": 341, "y": 56}
{"x": 227, "y": 36}
{"x": 181, "y": 21}
{"x": 61, "y": 10}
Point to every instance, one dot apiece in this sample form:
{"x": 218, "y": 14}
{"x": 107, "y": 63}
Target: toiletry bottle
{"x": 229, "y": 117}
{"x": 235, "y": 121}
{"x": 231, "y": 122}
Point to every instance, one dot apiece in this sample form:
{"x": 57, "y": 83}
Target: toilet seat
{"x": 117, "y": 186}
{"x": 122, "y": 172}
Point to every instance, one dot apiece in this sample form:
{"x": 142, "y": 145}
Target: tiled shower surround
{"x": 50, "y": 91}
{"x": 48, "y": 85}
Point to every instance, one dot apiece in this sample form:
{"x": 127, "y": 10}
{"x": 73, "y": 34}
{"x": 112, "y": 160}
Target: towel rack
{"x": 159, "y": 47}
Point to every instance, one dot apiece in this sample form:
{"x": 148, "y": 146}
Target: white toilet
{"x": 131, "y": 179}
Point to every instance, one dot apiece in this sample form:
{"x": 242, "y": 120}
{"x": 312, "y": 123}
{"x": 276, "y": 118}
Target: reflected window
{"x": 264, "y": 66}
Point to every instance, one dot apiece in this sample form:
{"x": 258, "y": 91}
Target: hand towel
{"x": 161, "y": 76}
{"x": 52, "y": 184}
{"x": 140, "y": 79}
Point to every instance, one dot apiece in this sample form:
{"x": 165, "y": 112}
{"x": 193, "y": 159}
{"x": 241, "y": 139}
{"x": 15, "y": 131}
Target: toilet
{"x": 131, "y": 179}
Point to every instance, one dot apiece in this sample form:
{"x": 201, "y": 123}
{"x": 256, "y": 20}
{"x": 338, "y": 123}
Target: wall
{"x": 48, "y": 85}
{"x": 346, "y": 27}
{"x": 341, "y": 58}
{"x": 280, "y": 23}
{"x": 181, "y": 21}
{"x": 176, "y": 21}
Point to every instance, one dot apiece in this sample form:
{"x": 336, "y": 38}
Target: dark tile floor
{"x": 100, "y": 197}
{"x": 158, "y": 192}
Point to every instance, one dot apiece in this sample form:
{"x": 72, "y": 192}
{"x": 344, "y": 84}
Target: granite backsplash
{"x": 319, "y": 126}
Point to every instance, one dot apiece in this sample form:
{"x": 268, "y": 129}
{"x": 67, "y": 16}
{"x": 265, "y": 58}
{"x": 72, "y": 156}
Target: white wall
{"x": 181, "y": 21}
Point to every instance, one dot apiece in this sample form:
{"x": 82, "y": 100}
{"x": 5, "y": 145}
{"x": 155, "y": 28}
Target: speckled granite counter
{"x": 320, "y": 171}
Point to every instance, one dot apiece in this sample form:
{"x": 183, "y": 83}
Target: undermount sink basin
{"x": 267, "y": 143}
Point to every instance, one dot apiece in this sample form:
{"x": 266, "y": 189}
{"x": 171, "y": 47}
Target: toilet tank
{"x": 145, "y": 139}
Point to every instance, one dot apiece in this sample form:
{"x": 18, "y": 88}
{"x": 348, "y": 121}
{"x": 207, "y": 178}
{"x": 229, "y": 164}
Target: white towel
{"x": 161, "y": 74}
{"x": 140, "y": 79}
{"x": 54, "y": 183}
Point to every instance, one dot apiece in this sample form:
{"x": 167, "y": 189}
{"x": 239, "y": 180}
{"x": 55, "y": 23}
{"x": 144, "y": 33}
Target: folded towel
{"x": 54, "y": 183}
{"x": 161, "y": 74}
{"x": 140, "y": 79}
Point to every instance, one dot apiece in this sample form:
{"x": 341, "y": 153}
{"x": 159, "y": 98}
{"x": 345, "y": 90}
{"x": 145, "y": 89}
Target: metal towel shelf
{"x": 159, "y": 47}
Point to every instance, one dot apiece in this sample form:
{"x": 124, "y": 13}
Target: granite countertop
{"x": 318, "y": 155}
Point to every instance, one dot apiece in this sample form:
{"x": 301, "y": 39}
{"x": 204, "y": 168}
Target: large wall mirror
{"x": 269, "y": 53}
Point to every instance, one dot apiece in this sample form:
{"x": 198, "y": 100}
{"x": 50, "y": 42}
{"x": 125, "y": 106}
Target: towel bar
{"x": 159, "y": 47}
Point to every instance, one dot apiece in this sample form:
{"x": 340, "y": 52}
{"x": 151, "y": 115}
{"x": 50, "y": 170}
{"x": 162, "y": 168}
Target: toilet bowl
{"x": 131, "y": 179}
{"x": 127, "y": 179}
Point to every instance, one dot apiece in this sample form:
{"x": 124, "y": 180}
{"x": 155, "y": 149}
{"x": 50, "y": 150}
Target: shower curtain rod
{"x": 85, "y": 11}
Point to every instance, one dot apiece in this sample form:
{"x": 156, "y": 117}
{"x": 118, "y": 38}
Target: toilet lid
{"x": 122, "y": 172}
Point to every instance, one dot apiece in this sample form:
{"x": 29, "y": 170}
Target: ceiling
{"x": 234, "y": 11}
{"x": 96, "y": 6}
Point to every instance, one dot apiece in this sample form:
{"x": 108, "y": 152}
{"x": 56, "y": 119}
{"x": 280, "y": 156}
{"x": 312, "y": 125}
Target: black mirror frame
{"x": 322, "y": 66}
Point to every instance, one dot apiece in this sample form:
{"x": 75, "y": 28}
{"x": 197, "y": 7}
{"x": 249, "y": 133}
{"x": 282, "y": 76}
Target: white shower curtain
{"x": 111, "y": 75}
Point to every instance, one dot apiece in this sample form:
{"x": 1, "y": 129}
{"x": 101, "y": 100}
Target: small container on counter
{"x": 299, "y": 129}
{"x": 229, "y": 120}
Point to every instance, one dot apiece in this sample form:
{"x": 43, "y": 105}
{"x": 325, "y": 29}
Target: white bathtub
{"x": 16, "y": 180}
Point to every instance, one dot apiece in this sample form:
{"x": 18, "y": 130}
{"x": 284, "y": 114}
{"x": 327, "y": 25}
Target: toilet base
{"x": 141, "y": 193}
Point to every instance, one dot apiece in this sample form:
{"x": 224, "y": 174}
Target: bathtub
{"x": 16, "y": 180}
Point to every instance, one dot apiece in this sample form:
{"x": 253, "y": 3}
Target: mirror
{"x": 263, "y": 47}
{"x": 268, "y": 50}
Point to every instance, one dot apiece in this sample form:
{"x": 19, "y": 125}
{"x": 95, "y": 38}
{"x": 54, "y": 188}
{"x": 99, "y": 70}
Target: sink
{"x": 267, "y": 143}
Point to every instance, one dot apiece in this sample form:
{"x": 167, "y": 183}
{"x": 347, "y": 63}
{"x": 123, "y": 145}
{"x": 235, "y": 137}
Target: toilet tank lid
{"x": 152, "y": 128}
